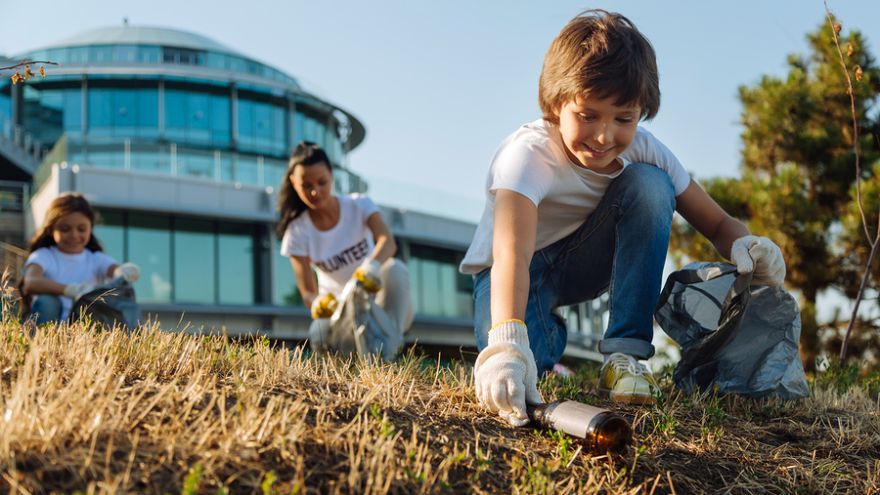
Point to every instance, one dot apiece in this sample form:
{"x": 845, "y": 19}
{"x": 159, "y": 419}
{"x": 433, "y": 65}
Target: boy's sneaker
{"x": 624, "y": 379}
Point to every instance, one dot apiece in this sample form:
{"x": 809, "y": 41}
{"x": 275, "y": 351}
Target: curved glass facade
{"x": 209, "y": 125}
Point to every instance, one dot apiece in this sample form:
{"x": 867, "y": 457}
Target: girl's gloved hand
{"x": 75, "y": 291}
{"x": 505, "y": 374}
{"x": 129, "y": 271}
{"x": 761, "y": 256}
{"x": 368, "y": 275}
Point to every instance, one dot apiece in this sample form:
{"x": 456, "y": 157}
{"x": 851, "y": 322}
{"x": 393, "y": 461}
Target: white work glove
{"x": 75, "y": 291}
{"x": 761, "y": 256}
{"x": 129, "y": 271}
{"x": 368, "y": 275}
{"x": 324, "y": 306}
{"x": 505, "y": 375}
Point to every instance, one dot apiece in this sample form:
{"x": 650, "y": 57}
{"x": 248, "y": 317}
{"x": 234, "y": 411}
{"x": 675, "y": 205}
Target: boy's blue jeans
{"x": 46, "y": 308}
{"x": 621, "y": 248}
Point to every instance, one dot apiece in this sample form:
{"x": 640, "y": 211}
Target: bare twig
{"x": 835, "y": 28}
{"x": 19, "y": 75}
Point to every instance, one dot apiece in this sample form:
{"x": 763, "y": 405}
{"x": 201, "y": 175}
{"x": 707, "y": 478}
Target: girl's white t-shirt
{"x": 336, "y": 253}
{"x": 85, "y": 267}
{"x": 532, "y": 161}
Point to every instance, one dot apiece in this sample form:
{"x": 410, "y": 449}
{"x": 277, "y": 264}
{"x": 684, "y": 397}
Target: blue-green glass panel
{"x": 149, "y": 54}
{"x": 49, "y": 113}
{"x": 151, "y": 161}
{"x": 195, "y": 164}
{"x": 125, "y": 53}
{"x": 78, "y": 54}
{"x": 194, "y": 261}
{"x": 123, "y": 113}
{"x": 5, "y": 111}
{"x": 101, "y": 54}
{"x": 247, "y": 170}
{"x": 106, "y": 159}
{"x": 235, "y": 248}
{"x": 110, "y": 232}
{"x": 284, "y": 291}
{"x": 149, "y": 246}
{"x": 198, "y": 118}
{"x": 261, "y": 127}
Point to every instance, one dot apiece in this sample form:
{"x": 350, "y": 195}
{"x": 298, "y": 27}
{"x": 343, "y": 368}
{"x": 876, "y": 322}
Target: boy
{"x": 574, "y": 209}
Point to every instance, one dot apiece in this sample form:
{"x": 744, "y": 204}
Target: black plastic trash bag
{"x": 109, "y": 304}
{"x": 740, "y": 339}
{"x": 359, "y": 326}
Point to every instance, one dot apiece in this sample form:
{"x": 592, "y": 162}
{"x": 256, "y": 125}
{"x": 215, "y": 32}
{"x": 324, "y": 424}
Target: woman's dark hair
{"x": 290, "y": 205}
{"x": 64, "y": 205}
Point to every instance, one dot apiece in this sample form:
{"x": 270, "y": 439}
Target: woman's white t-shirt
{"x": 85, "y": 267}
{"x": 532, "y": 161}
{"x": 336, "y": 253}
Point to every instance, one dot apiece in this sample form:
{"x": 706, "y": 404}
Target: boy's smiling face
{"x": 595, "y": 131}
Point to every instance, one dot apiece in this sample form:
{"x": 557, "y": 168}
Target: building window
{"x": 437, "y": 287}
{"x": 197, "y": 118}
{"x": 110, "y": 232}
{"x": 194, "y": 261}
{"x": 49, "y": 113}
{"x": 235, "y": 254}
{"x": 172, "y": 55}
{"x": 123, "y": 113}
{"x": 284, "y": 292}
{"x": 5, "y": 110}
{"x": 261, "y": 127}
{"x": 184, "y": 260}
{"x": 148, "y": 244}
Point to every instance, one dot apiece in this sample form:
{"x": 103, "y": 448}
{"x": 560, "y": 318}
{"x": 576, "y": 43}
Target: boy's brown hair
{"x": 604, "y": 55}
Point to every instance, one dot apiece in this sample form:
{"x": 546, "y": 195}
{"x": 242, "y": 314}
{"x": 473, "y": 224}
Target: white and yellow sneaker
{"x": 623, "y": 379}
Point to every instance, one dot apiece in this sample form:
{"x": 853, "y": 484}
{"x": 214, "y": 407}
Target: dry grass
{"x": 155, "y": 412}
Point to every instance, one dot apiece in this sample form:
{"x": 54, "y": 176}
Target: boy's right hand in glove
{"x": 324, "y": 306}
{"x": 75, "y": 291}
{"x": 505, "y": 374}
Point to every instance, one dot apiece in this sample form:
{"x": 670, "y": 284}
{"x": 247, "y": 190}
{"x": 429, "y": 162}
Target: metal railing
{"x": 177, "y": 161}
{"x": 20, "y": 144}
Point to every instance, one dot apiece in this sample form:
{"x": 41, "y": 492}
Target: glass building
{"x": 180, "y": 142}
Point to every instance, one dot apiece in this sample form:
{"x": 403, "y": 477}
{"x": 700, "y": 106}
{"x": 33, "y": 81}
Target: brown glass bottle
{"x": 598, "y": 430}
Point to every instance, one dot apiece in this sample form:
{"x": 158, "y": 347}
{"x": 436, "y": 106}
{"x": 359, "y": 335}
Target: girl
{"x": 340, "y": 237}
{"x": 66, "y": 260}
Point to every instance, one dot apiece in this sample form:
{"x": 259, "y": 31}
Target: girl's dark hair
{"x": 290, "y": 205}
{"x": 63, "y": 205}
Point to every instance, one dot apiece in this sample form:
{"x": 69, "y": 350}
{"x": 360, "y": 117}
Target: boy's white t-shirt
{"x": 85, "y": 267}
{"x": 336, "y": 253}
{"x": 532, "y": 161}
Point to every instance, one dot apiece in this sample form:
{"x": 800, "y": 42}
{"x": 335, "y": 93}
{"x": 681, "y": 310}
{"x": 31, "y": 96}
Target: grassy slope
{"x": 158, "y": 412}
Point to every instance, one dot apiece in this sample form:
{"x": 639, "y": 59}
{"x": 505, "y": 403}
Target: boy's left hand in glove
{"x": 761, "y": 256}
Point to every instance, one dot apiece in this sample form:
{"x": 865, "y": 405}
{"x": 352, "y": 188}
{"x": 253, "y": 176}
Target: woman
{"x": 340, "y": 237}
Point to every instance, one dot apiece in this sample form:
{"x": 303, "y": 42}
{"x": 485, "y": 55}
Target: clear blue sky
{"x": 440, "y": 84}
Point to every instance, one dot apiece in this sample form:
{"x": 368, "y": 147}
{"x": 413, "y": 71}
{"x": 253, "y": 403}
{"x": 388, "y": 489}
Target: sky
{"x": 440, "y": 84}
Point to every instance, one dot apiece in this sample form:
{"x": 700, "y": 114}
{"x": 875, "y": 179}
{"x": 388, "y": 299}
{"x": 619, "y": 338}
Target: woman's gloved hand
{"x": 505, "y": 374}
{"x": 761, "y": 256}
{"x": 324, "y": 306}
{"x": 368, "y": 275}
